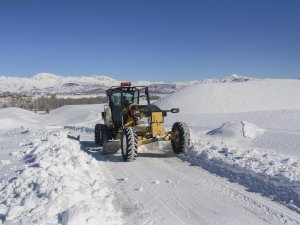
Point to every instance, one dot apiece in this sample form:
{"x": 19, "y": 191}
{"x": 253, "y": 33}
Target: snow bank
{"x": 236, "y": 130}
{"x": 271, "y": 174}
{"x": 60, "y": 184}
{"x": 255, "y": 95}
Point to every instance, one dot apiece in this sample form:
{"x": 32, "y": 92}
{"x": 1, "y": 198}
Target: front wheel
{"x": 129, "y": 144}
{"x": 180, "y": 137}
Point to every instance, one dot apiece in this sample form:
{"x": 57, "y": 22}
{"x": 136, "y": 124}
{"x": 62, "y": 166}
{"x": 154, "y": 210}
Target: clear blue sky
{"x": 151, "y": 39}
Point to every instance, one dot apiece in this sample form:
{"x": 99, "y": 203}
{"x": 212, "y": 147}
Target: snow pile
{"x": 256, "y": 95}
{"x": 60, "y": 184}
{"x": 236, "y": 130}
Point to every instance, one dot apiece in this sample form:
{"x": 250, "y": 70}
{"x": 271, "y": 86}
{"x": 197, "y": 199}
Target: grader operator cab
{"x": 130, "y": 118}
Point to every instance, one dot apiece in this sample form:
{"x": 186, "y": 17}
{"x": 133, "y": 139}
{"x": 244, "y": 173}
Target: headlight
{"x": 175, "y": 110}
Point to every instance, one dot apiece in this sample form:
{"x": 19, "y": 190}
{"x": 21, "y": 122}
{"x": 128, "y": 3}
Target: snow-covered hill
{"x": 50, "y": 83}
{"x": 83, "y": 85}
{"x": 257, "y": 95}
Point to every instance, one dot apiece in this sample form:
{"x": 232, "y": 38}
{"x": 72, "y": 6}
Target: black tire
{"x": 103, "y": 136}
{"x": 129, "y": 144}
{"x": 180, "y": 137}
{"x": 97, "y": 134}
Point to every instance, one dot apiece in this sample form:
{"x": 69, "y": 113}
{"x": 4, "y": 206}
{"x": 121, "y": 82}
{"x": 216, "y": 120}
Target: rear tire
{"x": 97, "y": 134}
{"x": 101, "y": 134}
{"x": 129, "y": 144}
{"x": 180, "y": 137}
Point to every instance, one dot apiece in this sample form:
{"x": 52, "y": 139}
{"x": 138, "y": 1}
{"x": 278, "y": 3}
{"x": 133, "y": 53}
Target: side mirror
{"x": 175, "y": 110}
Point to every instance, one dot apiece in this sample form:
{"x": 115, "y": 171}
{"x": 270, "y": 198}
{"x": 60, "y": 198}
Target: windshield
{"x": 116, "y": 98}
{"x": 129, "y": 97}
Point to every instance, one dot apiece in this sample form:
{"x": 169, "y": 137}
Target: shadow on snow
{"x": 97, "y": 152}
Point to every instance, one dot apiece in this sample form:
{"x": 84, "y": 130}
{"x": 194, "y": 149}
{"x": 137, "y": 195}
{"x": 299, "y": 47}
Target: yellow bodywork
{"x": 147, "y": 134}
{"x": 157, "y": 124}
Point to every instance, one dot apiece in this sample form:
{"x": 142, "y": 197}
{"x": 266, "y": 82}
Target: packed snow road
{"x": 160, "y": 188}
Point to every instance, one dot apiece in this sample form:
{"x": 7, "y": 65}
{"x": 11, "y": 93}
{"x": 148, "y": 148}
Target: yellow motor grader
{"x": 130, "y": 118}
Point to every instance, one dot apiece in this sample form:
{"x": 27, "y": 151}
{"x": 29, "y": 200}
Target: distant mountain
{"x": 47, "y": 83}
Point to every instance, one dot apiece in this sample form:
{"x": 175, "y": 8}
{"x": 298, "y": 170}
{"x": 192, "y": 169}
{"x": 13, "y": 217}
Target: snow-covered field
{"x": 243, "y": 166}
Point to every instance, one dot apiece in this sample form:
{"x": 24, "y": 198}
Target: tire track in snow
{"x": 198, "y": 198}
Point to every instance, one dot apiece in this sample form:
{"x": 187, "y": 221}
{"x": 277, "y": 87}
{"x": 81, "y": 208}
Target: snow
{"x": 12, "y": 119}
{"x": 4, "y": 162}
{"x": 90, "y": 85}
{"x": 40, "y": 76}
{"x": 55, "y": 182}
{"x": 257, "y": 95}
{"x": 237, "y": 130}
{"x": 243, "y": 165}
{"x": 257, "y": 144}
{"x": 7, "y": 123}
{"x": 51, "y": 83}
